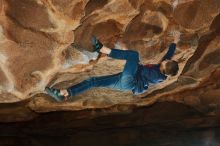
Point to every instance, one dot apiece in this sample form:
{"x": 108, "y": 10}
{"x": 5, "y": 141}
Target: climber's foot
{"x": 96, "y": 44}
{"x": 55, "y": 93}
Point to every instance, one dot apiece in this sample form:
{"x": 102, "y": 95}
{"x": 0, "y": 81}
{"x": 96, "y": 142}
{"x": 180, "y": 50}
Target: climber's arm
{"x": 172, "y": 47}
{"x": 170, "y": 52}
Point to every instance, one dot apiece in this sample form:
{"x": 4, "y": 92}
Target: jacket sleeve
{"x": 170, "y": 52}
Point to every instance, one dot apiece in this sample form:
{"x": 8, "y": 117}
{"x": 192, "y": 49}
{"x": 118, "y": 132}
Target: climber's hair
{"x": 171, "y": 68}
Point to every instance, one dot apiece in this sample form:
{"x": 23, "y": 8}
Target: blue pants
{"x": 120, "y": 81}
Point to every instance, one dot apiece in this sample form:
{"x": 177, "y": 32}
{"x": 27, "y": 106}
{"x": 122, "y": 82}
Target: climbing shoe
{"x": 55, "y": 93}
{"x": 96, "y": 44}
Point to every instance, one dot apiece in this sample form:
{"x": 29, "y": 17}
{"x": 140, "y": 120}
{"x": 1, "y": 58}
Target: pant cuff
{"x": 69, "y": 92}
{"x": 112, "y": 53}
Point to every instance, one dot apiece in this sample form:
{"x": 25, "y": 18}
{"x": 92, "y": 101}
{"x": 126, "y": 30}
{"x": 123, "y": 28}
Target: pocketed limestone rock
{"x": 36, "y": 51}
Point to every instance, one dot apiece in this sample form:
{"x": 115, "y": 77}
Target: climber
{"x": 135, "y": 76}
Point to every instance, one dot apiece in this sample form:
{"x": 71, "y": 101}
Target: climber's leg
{"x": 130, "y": 68}
{"x": 114, "y": 53}
{"x": 109, "y": 81}
{"x": 124, "y": 54}
{"x": 131, "y": 57}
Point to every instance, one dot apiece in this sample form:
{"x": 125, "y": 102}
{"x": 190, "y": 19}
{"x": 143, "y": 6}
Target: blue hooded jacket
{"x": 147, "y": 75}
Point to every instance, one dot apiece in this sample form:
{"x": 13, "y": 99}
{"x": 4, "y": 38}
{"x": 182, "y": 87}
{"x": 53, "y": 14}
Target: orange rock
{"x": 35, "y": 37}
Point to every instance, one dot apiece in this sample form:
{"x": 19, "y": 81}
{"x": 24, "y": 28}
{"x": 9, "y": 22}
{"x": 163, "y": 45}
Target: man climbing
{"x": 135, "y": 76}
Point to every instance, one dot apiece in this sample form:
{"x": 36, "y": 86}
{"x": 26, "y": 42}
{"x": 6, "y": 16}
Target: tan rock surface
{"x": 35, "y": 51}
